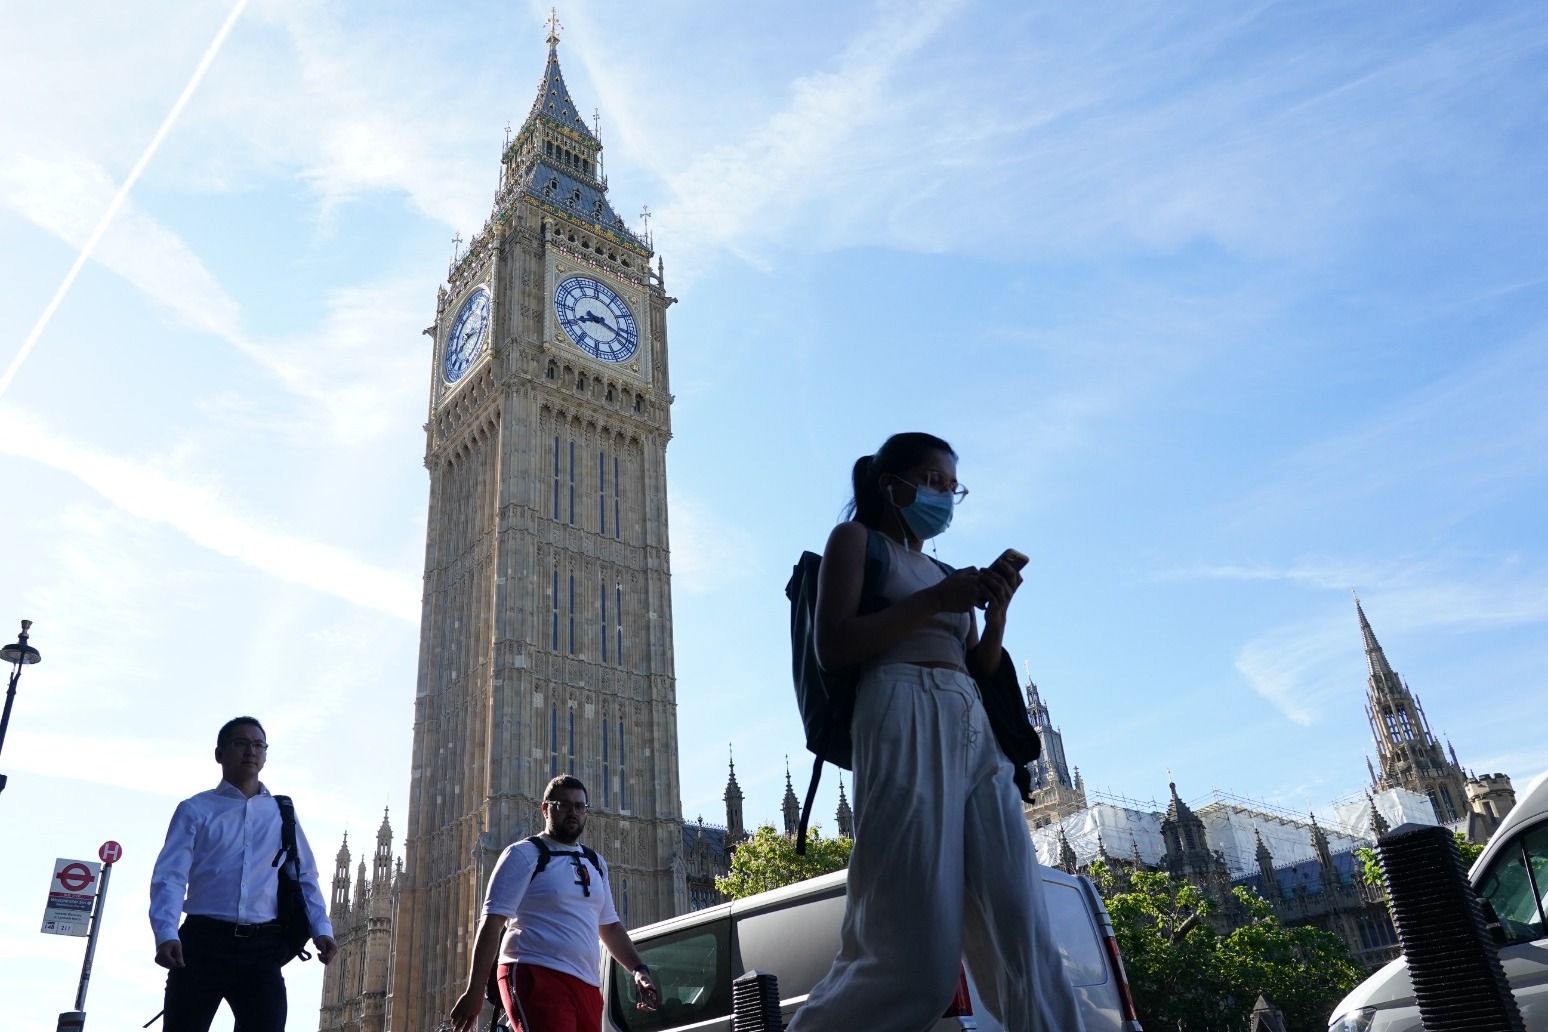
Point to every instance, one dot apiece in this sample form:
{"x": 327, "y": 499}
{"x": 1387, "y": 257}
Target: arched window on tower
{"x": 572, "y": 612}
{"x": 617, "y": 503}
{"x": 553, "y": 600}
{"x": 618, "y": 652}
{"x": 553, "y": 742}
{"x": 556, "y": 476}
{"x": 1450, "y": 807}
{"x": 623, "y": 769}
{"x": 571, "y": 765}
{"x": 607, "y": 769}
{"x": 572, "y": 481}
{"x": 602, "y": 627}
{"x": 602, "y": 494}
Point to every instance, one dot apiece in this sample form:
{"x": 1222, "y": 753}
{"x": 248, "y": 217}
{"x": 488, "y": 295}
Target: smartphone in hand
{"x": 1012, "y": 558}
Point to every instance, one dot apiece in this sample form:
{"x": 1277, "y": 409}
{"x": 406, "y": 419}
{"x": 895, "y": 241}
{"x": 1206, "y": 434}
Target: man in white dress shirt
{"x": 217, "y": 866}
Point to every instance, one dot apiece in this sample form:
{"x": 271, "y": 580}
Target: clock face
{"x": 468, "y": 334}
{"x": 596, "y": 318}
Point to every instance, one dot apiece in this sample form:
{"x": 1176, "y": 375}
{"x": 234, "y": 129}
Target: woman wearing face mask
{"x": 943, "y": 865}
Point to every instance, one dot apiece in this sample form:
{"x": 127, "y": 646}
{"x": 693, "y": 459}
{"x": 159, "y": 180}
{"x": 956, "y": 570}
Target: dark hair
{"x": 563, "y": 781}
{"x": 898, "y": 454}
{"x": 224, "y": 736}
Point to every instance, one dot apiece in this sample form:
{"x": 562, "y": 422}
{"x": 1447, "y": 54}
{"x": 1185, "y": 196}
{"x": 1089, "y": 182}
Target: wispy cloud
{"x": 119, "y": 196}
{"x": 210, "y": 520}
{"x": 754, "y": 187}
{"x": 1301, "y": 668}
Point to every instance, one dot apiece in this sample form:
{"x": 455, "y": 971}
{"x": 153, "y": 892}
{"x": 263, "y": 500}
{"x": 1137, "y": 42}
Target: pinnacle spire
{"x": 845, "y": 816}
{"x": 791, "y": 806}
{"x": 553, "y": 102}
{"x": 1374, "y": 656}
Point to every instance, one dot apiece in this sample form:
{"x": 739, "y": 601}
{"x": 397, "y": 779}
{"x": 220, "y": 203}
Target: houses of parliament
{"x": 546, "y": 629}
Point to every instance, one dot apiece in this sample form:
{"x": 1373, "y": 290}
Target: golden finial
{"x": 553, "y": 26}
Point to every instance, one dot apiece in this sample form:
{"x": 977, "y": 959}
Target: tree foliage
{"x": 1186, "y": 975}
{"x": 768, "y": 860}
{"x": 1370, "y": 864}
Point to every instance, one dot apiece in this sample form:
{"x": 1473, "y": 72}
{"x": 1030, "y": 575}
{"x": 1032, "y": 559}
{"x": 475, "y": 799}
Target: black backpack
{"x": 826, "y": 698}
{"x": 295, "y": 926}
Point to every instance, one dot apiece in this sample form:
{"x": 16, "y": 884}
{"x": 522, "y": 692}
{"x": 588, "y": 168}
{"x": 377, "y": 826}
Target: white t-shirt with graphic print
{"x": 553, "y": 918}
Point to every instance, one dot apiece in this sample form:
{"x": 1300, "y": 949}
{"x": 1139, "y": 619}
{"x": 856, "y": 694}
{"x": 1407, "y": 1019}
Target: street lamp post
{"x": 18, "y": 655}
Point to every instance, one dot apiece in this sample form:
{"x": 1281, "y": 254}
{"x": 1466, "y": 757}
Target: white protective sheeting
{"x": 1118, "y": 829}
{"x": 1396, "y": 805}
{"x": 1234, "y": 831}
{"x": 1231, "y": 829}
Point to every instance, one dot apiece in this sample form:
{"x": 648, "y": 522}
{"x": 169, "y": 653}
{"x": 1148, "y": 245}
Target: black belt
{"x": 240, "y": 931}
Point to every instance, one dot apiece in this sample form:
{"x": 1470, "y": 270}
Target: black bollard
{"x": 1452, "y": 960}
{"x": 755, "y": 1003}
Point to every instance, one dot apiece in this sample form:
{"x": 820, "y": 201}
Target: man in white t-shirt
{"x": 548, "y": 903}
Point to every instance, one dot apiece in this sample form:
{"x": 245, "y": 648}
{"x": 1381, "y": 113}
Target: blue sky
{"x": 1228, "y": 309}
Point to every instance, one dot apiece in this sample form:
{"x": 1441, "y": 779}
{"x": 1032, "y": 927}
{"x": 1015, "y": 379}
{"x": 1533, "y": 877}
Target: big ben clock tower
{"x": 546, "y": 642}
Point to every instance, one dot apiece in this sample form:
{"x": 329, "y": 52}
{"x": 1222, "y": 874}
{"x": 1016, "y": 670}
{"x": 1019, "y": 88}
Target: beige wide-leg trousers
{"x": 942, "y": 868}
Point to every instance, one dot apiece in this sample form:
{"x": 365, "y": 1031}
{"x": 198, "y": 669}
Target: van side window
{"x": 1516, "y": 884}
{"x": 693, "y": 970}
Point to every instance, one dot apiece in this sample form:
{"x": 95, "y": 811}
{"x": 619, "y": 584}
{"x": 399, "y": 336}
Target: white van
{"x": 793, "y": 933}
{"x": 1512, "y": 874}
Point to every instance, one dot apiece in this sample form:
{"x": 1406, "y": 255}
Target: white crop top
{"x": 944, "y": 638}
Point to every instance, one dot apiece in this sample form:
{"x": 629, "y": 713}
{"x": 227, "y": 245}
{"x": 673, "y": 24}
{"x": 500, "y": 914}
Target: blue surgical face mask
{"x": 929, "y": 513}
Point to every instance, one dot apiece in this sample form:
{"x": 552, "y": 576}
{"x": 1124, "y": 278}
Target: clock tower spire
{"x": 546, "y": 636}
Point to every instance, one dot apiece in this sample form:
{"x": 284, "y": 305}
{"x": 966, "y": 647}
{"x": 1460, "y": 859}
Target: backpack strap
{"x": 873, "y": 581}
{"x": 287, "y": 848}
{"x": 544, "y": 853}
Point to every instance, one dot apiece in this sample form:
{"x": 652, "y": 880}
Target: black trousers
{"x": 244, "y": 972}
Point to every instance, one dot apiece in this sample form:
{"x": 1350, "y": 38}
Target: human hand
{"x": 959, "y": 592}
{"x": 647, "y": 995}
{"x": 326, "y": 947}
{"x": 998, "y": 584}
{"x": 465, "y": 1012}
{"x": 169, "y": 954}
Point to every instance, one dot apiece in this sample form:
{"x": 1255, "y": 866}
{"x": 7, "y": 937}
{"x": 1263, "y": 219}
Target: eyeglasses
{"x": 935, "y": 480}
{"x": 241, "y": 744}
{"x": 565, "y": 806}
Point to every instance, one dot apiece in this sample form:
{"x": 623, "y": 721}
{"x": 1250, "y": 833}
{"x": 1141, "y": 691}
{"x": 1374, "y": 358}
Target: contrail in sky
{"x": 118, "y": 198}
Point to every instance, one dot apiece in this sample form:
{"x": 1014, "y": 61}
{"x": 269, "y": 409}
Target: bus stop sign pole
{"x": 75, "y": 1021}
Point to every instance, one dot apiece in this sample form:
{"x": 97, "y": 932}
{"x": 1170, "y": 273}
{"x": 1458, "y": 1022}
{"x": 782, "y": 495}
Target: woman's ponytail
{"x": 898, "y": 454}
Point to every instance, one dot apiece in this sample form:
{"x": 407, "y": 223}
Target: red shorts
{"x": 545, "y": 1000}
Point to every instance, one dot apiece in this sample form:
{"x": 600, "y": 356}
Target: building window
{"x": 623, "y": 775}
{"x": 553, "y": 742}
{"x": 607, "y": 770}
{"x": 572, "y": 614}
{"x": 571, "y": 766}
{"x": 617, "y": 523}
{"x": 572, "y": 481}
{"x": 553, "y": 599}
{"x": 618, "y": 620}
{"x": 602, "y": 492}
{"x": 602, "y": 601}
{"x": 556, "y": 476}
